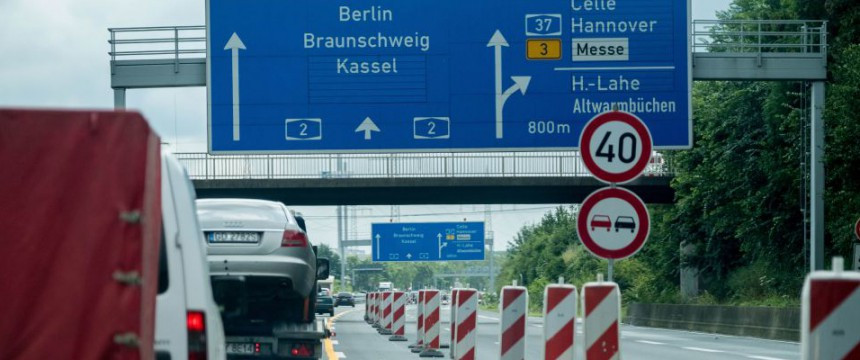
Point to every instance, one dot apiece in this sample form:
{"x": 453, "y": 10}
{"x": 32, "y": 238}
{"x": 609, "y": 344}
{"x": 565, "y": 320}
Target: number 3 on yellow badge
{"x": 543, "y": 49}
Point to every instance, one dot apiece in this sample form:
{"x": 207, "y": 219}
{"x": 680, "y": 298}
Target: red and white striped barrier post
{"x": 398, "y": 316}
{"x": 830, "y": 325}
{"x": 385, "y": 325}
{"x": 378, "y": 307}
{"x": 418, "y": 346}
{"x": 452, "y": 321}
{"x": 559, "y": 324}
{"x": 515, "y": 303}
{"x": 602, "y": 308}
{"x": 465, "y": 328}
{"x": 431, "y": 324}
{"x": 373, "y": 310}
{"x": 367, "y": 308}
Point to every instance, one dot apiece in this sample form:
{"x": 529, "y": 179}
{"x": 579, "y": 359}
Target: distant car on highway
{"x": 344, "y": 299}
{"x": 625, "y": 222}
{"x": 258, "y": 248}
{"x": 601, "y": 221}
{"x": 325, "y": 304}
{"x": 445, "y": 299}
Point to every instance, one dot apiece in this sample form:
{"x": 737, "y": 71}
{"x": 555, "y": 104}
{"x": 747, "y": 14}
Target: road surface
{"x": 356, "y": 340}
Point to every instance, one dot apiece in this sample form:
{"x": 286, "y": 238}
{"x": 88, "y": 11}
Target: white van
{"x": 187, "y": 322}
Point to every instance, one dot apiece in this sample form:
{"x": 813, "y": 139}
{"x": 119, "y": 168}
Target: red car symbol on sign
{"x": 601, "y": 221}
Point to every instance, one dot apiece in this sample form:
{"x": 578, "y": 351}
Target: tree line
{"x": 739, "y": 190}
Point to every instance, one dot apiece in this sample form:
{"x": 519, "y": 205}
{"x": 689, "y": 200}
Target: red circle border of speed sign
{"x": 641, "y": 214}
{"x": 585, "y": 147}
{"x": 857, "y": 229}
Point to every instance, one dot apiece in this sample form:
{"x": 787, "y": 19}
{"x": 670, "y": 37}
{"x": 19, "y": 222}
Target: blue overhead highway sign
{"x": 428, "y": 241}
{"x": 444, "y": 75}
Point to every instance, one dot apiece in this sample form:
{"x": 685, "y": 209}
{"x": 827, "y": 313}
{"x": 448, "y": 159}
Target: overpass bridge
{"x": 175, "y": 56}
{"x": 411, "y": 178}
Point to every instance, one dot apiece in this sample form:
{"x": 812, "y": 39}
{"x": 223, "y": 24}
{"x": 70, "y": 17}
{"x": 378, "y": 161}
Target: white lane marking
{"x": 650, "y": 342}
{"x": 446, "y": 329}
{"x": 334, "y": 342}
{"x": 702, "y": 349}
{"x": 487, "y": 317}
{"x": 537, "y": 325}
{"x": 763, "y": 357}
{"x": 340, "y": 355}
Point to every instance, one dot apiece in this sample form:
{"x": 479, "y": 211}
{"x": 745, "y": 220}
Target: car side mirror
{"x": 322, "y": 269}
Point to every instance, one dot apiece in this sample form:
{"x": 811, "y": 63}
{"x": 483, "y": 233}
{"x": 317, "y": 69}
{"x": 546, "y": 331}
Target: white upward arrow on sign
{"x": 367, "y": 126}
{"x": 521, "y": 83}
{"x": 234, "y": 44}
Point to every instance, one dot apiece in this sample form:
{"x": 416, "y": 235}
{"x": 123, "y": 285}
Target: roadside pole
{"x": 816, "y": 179}
{"x": 610, "y": 271}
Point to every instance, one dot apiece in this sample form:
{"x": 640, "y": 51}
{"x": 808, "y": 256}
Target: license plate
{"x": 234, "y": 237}
{"x": 240, "y": 348}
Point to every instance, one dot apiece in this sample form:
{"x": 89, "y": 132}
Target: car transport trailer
{"x": 287, "y": 341}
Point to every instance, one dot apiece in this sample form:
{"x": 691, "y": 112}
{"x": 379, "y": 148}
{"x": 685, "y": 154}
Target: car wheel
{"x": 331, "y": 313}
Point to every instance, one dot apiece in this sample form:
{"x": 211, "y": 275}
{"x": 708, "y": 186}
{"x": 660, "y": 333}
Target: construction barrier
{"x": 398, "y": 316}
{"x": 465, "y": 328}
{"x": 367, "y": 308}
{"x": 830, "y": 325}
{"x": 452, "y": 321}
{"x": 374, "y": 309}
{"x": 602, "y": 310}
{"x": 418, "y": 346}
{"x": 378, "y": 308}
{"x": 559, "y": 325}
{"x": 431, "y": 324}
{"x": 385, "y": 325}
{"x": 515, "y": 302}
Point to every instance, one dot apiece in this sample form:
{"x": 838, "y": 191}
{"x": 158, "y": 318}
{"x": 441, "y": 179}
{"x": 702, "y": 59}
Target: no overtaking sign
{"x": 613, "y": 223}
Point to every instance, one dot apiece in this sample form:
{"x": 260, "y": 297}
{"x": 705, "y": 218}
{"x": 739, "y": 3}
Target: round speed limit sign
{"x": 615, "y": 147}
{"x": 857, "y": 229}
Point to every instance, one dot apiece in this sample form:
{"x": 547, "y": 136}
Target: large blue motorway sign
{"x": 442, "y": 75}
{"x": 427, "y": 241}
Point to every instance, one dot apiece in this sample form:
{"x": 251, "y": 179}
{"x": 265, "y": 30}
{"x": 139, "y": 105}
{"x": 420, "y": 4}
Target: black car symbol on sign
{"x": 625, "y": 222}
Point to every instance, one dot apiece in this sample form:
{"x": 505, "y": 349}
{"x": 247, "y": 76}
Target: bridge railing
{"x": 760, "y": 36}
{"x": 402, "y": 165}
{"x": 727, "y": 36}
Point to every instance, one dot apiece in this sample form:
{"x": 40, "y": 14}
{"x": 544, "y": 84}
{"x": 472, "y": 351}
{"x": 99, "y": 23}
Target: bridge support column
{"x": 816, "y": 179}
{"x": 119, "y": 99}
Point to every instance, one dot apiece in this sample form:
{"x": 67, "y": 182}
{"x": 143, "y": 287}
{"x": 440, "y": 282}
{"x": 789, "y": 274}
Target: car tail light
{"x": 294, "y": 238}
{"x": 302, "y": 350}
{"x": 196, "y": 324}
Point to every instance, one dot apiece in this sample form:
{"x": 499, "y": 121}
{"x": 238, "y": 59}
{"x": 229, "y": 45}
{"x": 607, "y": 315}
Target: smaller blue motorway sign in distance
{"x": 441, "y": 241}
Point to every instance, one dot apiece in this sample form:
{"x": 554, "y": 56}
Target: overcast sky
{"x": 55, "y": 55}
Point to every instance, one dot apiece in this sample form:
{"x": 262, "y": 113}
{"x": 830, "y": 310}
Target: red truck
{"x": 79, "y": 234}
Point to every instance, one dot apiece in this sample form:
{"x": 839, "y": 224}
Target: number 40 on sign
{"x": 616, "y": 147}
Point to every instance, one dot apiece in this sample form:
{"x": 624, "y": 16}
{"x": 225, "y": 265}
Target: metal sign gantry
{"x": 766, "y": 50}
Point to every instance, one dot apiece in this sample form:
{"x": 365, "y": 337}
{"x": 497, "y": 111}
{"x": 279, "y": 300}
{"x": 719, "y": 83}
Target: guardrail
{"x": 731, "y": 36}
{"x": 157, "y": 43}
{"x": 760, "y": 36}
{"x": 405, "y": 165}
